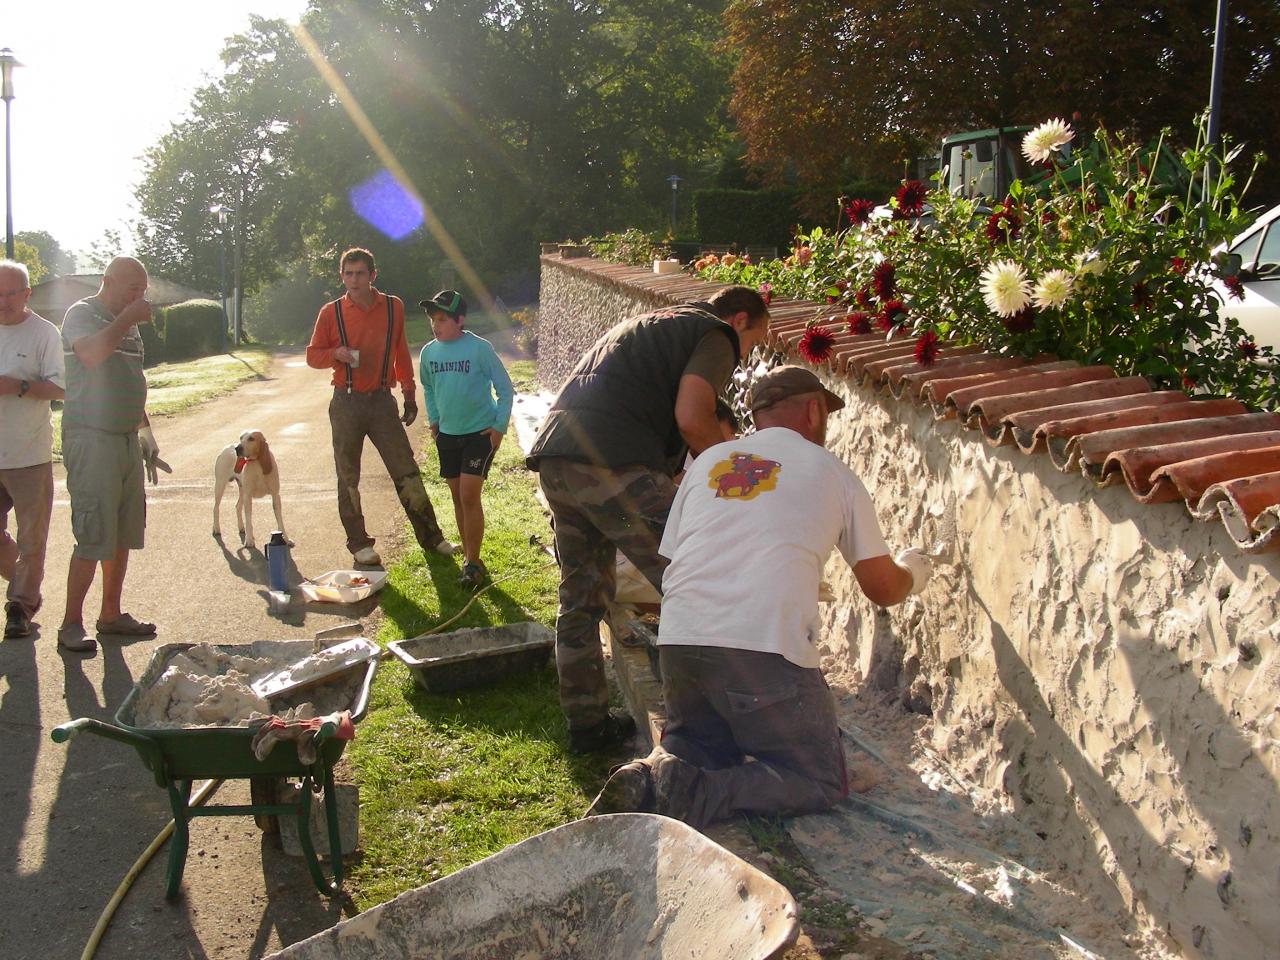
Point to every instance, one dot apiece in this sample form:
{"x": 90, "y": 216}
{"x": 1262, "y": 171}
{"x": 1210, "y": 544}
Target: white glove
{"x": 920, "y": 566}
{"x": 151, "y": 454}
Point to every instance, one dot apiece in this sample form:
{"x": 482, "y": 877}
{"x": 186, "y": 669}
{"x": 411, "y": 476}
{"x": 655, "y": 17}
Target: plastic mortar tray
{"x": 631, "y": 886}
{"x": 465, "y": 658}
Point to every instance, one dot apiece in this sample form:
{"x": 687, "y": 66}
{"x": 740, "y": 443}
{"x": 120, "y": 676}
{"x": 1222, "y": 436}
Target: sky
{"x": 101, "y": 82}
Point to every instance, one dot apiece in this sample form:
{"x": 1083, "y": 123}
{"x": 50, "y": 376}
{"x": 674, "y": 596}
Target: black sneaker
{"x": 473, "y": 575}
{"x": 16, "y": 622}
{"x": 617, "y": 729}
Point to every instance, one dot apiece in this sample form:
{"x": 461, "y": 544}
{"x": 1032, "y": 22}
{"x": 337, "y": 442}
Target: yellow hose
{"x": 204, "y": 793}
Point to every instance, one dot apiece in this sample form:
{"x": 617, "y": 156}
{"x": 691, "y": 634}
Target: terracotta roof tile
{"x": 1138, "y": 464}
{"x": 1223, "y": 461}
{"x": 1031, "y": 427}
{"x": 1250, "y": 510}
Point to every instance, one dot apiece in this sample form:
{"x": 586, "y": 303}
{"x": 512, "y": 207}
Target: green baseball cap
{"x": 448, "y": 301}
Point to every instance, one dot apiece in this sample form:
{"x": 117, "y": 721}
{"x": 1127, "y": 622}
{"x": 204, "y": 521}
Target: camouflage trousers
{"x": 597, "y": 512}
{"x": 352, "y": 417}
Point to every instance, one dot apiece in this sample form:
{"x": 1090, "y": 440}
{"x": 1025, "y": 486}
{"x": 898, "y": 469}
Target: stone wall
{"x": 1104, "y": 670}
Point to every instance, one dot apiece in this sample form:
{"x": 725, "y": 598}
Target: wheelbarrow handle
{"x": 65, "y": 731}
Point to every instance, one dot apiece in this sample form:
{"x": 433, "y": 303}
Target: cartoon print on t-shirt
{"x": 743, "y": 476}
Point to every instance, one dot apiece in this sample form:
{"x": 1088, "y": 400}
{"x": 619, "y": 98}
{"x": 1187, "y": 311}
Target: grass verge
{"x": 446, "y": 780}
{"x": 174, "y": 387}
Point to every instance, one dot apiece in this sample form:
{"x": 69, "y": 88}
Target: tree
{"x": 26, "y": 253}
{"x": 102, "y": 251}
{"x": 514, "y": 122}
{"x": 821, "y": 85}
{"x": 59, "y": 262}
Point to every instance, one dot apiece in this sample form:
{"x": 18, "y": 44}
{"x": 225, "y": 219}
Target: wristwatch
{"x": 23, "y": 387}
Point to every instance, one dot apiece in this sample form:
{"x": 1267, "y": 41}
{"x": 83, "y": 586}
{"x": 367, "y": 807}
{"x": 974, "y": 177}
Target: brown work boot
{"x": 629, "y": 789}
{"x": 673, "y": 788}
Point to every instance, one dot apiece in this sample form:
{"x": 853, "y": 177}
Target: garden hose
{"x": 210, "y": 786}
{"x": 204, "y": 793}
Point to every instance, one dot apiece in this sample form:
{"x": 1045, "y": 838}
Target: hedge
{"x": 193, "y": 329}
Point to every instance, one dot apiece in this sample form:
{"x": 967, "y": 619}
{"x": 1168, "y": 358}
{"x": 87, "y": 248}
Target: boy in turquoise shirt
{"x": 468, "y": 396}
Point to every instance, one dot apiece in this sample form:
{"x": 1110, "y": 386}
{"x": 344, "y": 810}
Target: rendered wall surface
{"x": 1107, "y": 671}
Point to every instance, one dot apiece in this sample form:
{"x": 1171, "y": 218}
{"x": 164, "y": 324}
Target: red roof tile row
{"x": 1219, "y": 458}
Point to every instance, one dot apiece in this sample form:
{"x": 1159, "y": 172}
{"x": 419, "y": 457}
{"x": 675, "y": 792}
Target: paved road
{"x": 73, "y": 818}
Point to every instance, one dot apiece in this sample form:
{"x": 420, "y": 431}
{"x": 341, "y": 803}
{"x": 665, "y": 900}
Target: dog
{"x": 250, "y": 464}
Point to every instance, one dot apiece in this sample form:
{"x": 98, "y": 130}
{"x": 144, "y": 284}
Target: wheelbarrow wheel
{"x": 265, "y": 791}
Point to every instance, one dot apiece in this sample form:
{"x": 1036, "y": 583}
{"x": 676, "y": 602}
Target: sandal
{"x": 125, "y": 625}
{"x": 72, "y": 637}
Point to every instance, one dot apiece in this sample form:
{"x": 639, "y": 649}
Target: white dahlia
{"x": 1053, "y": 290}
{"x": 1042, "y": 142}
{"x": 1005, "y": 288}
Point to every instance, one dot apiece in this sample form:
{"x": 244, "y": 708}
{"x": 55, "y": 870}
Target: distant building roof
{"x": 51, "y": 298}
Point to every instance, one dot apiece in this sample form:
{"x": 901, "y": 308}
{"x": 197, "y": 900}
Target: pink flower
{"x": 883, "y": 280}
{"x": 765, "y": 291}
{"x": 910, "y": 197}
{"x": 1234, "y": 286}
{"x": 859, "y": 322}
{"x": 927, "y": 348}
{"x": 816, "y": 344}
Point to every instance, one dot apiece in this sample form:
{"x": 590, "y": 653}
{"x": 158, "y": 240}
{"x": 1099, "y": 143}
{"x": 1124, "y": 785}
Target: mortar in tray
{"x": 475, "y": 655}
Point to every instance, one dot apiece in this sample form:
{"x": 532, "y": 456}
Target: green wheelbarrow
{"x": 179, "y": 757}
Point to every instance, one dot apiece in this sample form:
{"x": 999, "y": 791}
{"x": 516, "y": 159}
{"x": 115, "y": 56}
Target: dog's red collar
{"x": 241, "y": 461}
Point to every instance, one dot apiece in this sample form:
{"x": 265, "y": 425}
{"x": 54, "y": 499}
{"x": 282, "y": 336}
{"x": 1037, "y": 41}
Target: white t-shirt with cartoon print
{"x": 749, "y": 533}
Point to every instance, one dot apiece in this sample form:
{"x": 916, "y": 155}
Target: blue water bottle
{"x": 277, "y": 551}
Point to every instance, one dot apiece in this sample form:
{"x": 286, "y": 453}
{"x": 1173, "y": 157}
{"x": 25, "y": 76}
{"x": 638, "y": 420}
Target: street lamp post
{"x": 224, "y": 212}
{"x": 674, "y": 180}
{"x": 7, "y": 62}
{"x": 221, "y": 212}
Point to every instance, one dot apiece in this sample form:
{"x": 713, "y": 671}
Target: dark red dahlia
{"x": 910, "y": 197}
{"x": 816, "y": 344}
{"x": 1024, "y": 321}
{"x": 1188, "y": 382}
{"x": 1142, "y": 295}
{"x": 1234, "y": 286}
{"x": 859, "y": 211}
{"x": 883, "y": 280}
{"x": 859, "y": 322}
{"x": 892, "y": 315}
{"x": 1004, "y": 224}
{"x": 1178, "y": 265}
{"x": 927, "y": 348}
{"x": 863, "y": 298}
{"x": 1248, "y": 349}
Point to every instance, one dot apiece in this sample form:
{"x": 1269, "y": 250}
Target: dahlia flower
{"x": 1045, "y": 140}
{"x": 1052, "y": 290}
{"x": 859, "y": 322}
{"x": 1005, "y": 289}
{"x": 927, "y": 348}
{"x": 1248, "y": 349}
{"x": 910, "y": 197}
{"x": 859, "y": 211}
{"x": 1234, "y": 286}
{"x": 892, "y": 314}
{"x": 883, "y": 280}
{"x": 816, "y": 344}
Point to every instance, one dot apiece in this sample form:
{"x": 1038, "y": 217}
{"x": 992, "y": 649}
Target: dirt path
{"x": 76, "y": 816}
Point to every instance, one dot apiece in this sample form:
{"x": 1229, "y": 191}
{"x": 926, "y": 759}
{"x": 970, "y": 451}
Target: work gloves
{"x": 410, "y": 411}
{"x": 917, "y": 562}
{"x": 151, "y": 455}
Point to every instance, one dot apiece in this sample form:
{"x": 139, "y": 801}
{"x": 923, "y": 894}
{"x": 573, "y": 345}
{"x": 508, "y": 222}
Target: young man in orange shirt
{"x": 360, "y": 336}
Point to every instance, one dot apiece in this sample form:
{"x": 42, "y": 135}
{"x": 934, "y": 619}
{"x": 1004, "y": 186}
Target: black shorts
{"x": 469, "y": 453}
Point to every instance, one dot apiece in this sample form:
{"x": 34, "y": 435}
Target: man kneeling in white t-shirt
{"x": 751, "y": 724}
